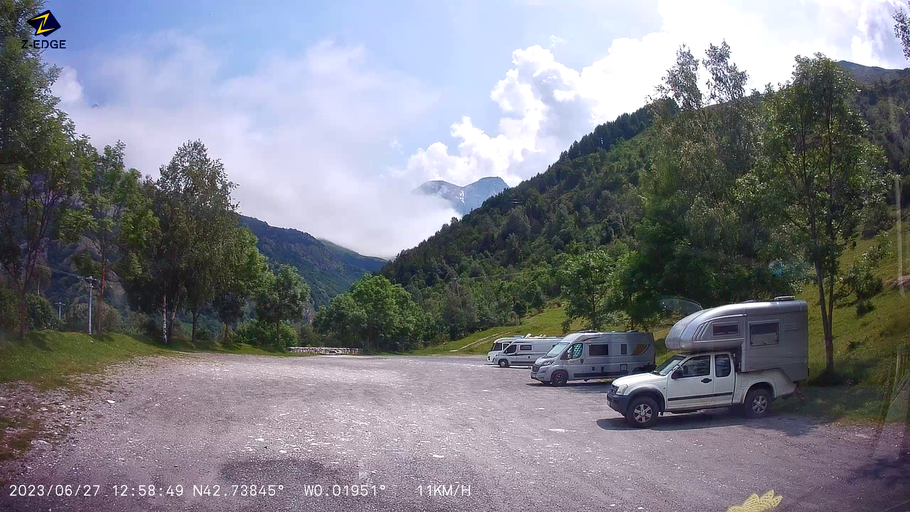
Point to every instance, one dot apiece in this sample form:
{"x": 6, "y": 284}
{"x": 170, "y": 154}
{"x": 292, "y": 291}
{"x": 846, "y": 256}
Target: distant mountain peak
{"x": 466, "y": 198}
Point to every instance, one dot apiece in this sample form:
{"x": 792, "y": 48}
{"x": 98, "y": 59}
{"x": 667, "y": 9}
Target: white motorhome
{"x": 595, "y": 355}
{"x": 745, "y": 354}
{"x": 499, "y": 345}
{"x": 524, "y": 351}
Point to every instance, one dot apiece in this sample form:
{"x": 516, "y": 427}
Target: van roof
{"x": 613, "y": 336}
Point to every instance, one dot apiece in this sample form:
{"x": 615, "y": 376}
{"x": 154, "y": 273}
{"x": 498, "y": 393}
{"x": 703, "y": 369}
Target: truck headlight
{"x": 546, "y": 363}
{"x": 621, "y": 389}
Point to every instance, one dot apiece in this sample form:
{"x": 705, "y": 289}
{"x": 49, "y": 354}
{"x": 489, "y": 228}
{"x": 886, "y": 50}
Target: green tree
{"x": 584, "y": 279}
{"x": 242, "y": 278}
{"x": 902, "y": 29}
{"x": 283, "y": 298}
{"x": 180, "y": 265}
{"x": 820, "y": 172}
{"x": 114, "y": 214}
{"x": 42, "y": 162}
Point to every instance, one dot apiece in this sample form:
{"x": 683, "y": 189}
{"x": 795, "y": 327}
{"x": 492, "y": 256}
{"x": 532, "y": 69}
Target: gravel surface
{"x": 427, "y": 433}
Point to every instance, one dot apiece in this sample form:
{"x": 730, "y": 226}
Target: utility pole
{"x": 91, "y": 288}
{"x": 900, "y": 240}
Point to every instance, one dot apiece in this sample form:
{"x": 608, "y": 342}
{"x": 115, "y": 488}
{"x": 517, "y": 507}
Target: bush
{"x": 76, "y": 318}
{"x": 254, "y": 332}
{"x": 139, "y": 323}
{"x": 9, "y": 311}
{"x": 41, "y": 314}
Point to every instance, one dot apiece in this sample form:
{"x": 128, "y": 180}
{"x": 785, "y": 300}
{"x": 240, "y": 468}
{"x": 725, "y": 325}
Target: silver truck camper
{"x": 764, "y": 335}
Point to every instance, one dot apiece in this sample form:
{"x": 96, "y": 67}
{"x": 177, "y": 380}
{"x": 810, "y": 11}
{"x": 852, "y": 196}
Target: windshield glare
{"x": 669, "y": 365}
{"x": 557, "y": 349}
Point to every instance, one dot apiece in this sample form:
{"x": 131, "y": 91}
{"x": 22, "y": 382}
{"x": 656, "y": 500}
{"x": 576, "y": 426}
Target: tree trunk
{"x": 23, "y": 313}
{"x": 195, "y": 319}
{"x": 101, "y": 292}
{"x": 164, "y": 318}
{"x": 224, "y": 334}
{"x": 826, "y": 320}
{"x": 278, "y": 332}
{"x": 170, "y": 324}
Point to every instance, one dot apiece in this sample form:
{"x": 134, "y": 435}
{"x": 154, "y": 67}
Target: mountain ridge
{"x": 464, "y": 198}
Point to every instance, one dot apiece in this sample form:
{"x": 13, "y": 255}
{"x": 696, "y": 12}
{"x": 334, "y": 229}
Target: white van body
{"x": 745, "y": 354}
{"x": 499, "y": 345}
{"x": 524, "y": 351}
{"x": 595, "y": 355}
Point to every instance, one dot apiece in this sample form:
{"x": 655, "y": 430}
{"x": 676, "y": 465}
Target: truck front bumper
{"x": 618, "y": 403}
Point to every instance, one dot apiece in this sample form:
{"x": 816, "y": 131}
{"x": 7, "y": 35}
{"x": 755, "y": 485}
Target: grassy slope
{"x": 49, "y": 359}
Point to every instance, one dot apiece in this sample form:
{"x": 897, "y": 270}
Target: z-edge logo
{"x": 44, "y": 24}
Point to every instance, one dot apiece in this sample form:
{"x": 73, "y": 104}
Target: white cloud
{"x": 556, "y": 41}
{"x": 546, "y": 105}
{"x": 297, "y": 134}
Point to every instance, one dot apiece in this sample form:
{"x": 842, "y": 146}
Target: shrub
{"x": 254, "y": 332}
{"x": 41, "y": 314}
{"x": 76, "y": 318}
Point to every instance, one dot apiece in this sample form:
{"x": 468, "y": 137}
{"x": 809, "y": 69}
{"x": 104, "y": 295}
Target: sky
{"x": 328, "y": 114}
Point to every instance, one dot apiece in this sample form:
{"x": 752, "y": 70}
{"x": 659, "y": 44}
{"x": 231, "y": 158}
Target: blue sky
{"x": 328, "y": 113}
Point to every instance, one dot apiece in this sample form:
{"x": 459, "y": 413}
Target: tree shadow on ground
{"x": 37, "y": 339}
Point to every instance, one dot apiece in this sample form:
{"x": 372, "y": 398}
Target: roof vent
{"x": 784, "y": 298}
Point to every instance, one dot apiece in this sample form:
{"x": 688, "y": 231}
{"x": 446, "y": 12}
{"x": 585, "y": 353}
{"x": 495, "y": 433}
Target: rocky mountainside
{"x": 464, "y": 199}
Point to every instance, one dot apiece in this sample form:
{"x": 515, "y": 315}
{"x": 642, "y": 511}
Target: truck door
{"x": 575, "y": 360}
{"x": 723, "y": 380}
{"x": 691, "y": 384}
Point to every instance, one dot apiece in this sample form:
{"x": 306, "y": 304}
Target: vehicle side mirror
{"x": 677, "y": 373}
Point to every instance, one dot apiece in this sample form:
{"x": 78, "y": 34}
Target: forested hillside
{"x": 327, "y": 268}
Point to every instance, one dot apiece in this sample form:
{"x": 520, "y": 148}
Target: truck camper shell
{"x": 764, "y": 335}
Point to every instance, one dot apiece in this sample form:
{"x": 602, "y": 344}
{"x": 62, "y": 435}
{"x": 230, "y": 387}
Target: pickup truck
{"x": 690, "y": 382}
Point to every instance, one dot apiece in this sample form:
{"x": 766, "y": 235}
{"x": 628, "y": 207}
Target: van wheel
{"x": 757, "y": 404}
{"x": 642, "y": 412}
{"x": 559, "y": 378}
{"x": 503, "y": 363}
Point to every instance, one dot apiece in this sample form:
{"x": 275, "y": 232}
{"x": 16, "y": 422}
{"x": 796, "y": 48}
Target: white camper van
{"x": 743, "y": 354}
{"x": 524, "y": 351}
{"x": 595, "y": 355}
{"x": 499, "y": 345}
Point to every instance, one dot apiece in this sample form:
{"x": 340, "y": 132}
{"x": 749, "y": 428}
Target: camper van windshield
{"x": 667, "y": 366}
{"x": 557, "y": 349}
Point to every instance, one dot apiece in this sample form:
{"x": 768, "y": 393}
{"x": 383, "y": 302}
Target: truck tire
{"x": 503, "y": 363}
{"x": 757, "y": 403}
{"x": 642, "y": 412}
{"x": 559, "y": 378}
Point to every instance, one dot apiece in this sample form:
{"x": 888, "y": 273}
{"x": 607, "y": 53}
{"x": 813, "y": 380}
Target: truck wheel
{"x": 503, "y": 363}
{"x": 757, "y": 404}
{"x": 559, "y": 378}
{"x": 642, "y": 412}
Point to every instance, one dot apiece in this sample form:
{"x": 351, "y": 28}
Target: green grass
{"x": 48, "y": 359}
{"x": 548, "y": 322}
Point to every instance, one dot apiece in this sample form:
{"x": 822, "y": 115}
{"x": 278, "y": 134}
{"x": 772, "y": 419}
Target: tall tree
{"x": 42, "y": 163}
{"x": 113, "y": 213}
{"x": 284, "y": 298}
{"x": 820, "y": 172}
{"x": 242, "y": 278}
{"x": 178, "y": 269}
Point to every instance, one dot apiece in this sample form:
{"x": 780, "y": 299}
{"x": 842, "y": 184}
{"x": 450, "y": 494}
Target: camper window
{"x": 722, "y": 365}
{"x": 511, "y": 349}
{"x": 623, "y": 349}
{"x": 575, "y": 351}
{"x": 697, "y": 367}
{"x": 599, "y": 350}
{"x": 525, "y": 347}
{"x": 763, "y": 334}
{"x": 719, "y": 330}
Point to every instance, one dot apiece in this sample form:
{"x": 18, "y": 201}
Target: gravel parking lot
{"x": 430, "y": 433}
